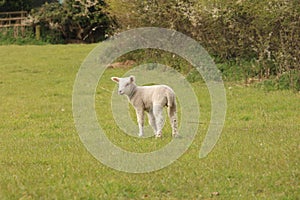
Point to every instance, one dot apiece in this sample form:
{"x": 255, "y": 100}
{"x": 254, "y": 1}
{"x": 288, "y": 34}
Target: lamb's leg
{"x": 173, "y": 120}
{"x": 140, "y": 120}
{"x": 159, "y": 119}
{"x": 152, "y": 121}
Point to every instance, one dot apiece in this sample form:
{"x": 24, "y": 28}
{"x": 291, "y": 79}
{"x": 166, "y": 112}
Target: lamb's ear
{"x": 132, "y": 79}
{"x": 115, "y": 79}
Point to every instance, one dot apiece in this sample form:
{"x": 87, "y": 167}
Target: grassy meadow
{"x": 42, "y": 157}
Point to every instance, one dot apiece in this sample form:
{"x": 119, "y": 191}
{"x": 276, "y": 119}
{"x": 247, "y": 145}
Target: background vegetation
{"x": 258, "y": 39}
{"x": 18, "y": 5}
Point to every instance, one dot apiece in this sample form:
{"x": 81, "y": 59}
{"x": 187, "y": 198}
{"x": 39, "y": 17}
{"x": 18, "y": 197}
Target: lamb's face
{"x": 125, "y": 84}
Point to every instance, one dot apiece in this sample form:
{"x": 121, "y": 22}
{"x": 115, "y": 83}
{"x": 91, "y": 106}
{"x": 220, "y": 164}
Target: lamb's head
{"x": 126, "y": 85}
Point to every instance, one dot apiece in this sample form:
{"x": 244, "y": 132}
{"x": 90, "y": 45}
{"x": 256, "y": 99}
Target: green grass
{"x": 42, "y": 157}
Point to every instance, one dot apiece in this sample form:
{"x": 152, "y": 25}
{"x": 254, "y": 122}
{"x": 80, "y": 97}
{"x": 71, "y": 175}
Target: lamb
{"x": 151, "y": 99}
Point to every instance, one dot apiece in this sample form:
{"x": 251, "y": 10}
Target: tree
{"x": 18, "y": 5}
{"x": 81, "y": 20}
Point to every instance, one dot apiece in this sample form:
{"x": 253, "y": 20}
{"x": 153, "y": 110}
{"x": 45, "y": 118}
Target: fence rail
{"x": 11, "y": 19}
{"x": 16, "y": 20}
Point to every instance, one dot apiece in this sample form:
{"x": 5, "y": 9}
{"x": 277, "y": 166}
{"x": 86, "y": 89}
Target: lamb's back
{"x": 147, "y": 95}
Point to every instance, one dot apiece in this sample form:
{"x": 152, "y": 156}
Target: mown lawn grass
{"x": 42, "y": 157}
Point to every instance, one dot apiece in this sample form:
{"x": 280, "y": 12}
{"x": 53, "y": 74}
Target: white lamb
{"x": 151, "y": 99}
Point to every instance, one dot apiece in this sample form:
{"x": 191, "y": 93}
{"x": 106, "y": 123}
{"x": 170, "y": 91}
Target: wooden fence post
{"x": 37, "y": 32}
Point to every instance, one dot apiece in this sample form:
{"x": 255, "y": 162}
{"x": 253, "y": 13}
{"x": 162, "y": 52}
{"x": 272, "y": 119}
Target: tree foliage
{"x": 81, "y": 20}
{"x": 18, "y": 5}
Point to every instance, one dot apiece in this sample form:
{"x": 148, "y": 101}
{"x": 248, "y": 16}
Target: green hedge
{"x": 260, "y": 37}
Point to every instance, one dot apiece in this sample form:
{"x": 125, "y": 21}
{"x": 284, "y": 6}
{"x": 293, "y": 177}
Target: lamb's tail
{"x": 171, "y": 104}
{"x": 171, "y": 100}
{"x": 172, "y": 112}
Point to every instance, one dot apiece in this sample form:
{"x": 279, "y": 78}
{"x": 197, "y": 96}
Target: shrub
{"x": 10, "y": 36}
{"x": 74, "y": 20}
